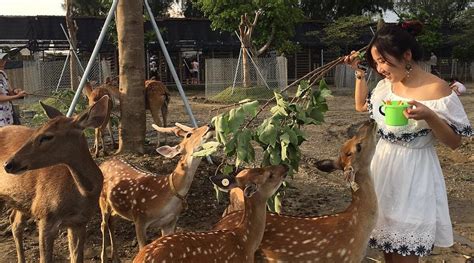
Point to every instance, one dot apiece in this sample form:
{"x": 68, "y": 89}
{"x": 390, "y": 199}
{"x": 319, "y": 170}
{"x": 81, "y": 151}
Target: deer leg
{"x": 164, "y": 114}
{"x": 76, "y": 238}
{"x": 109, "y": 128}
{"x": 96, "y": 142}
{"x": 169, "y": 228}
{"x": 113, "y": 244}
{"x": 17, "y": 220}
{"x": 102, "y": 140}
{"x": 47, "y": 233}
{"x": 140, "y": 230}
{"x": 104, "y": 227}
{"x": 155, "y": 114}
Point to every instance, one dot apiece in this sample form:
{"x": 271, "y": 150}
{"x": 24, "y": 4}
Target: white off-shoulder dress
{"x": 413, "y": 205}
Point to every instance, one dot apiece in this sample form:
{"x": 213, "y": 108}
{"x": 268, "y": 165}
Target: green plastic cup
{"x": 393, "y": 112}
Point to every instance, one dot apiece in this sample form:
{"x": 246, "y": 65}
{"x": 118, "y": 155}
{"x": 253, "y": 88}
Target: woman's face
{"x": 393, "y": 69}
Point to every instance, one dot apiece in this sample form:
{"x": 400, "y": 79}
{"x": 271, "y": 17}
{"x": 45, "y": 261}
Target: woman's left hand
{"x": 419, "y": 112}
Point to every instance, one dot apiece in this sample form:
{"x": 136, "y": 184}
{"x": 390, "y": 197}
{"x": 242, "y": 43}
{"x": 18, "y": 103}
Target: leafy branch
{"x": 279, "y": 136}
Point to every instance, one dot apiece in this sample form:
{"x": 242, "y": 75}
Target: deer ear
{"x": 95, "y": 115}
{"x": 250, "y": 189}
{"x": 224, "y": 182}
{"x": 50, "y": 111}
{"x": 327, "y": 165}
{"x": 168, "y": 151}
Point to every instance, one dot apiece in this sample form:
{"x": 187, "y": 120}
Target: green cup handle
{"x": 380, "y": 110}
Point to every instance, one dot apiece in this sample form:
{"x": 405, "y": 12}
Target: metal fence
{"x": 44, "y": 77}
{"x": 224, "y": 73}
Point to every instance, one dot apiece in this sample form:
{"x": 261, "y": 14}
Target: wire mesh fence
{"x": 225, "y": 77}
{"x": 44, "y": 77}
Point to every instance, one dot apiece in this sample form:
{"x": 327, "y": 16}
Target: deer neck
{"x": 364, "y": 200}
{"x": 183, "y": 174}
{"x": 252, "y": 225}
{"x": 85, "y": 172}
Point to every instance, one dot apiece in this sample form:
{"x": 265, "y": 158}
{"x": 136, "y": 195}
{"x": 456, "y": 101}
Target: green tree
{"x": 463, "y": 39}
{"x": 330, "y": 10}
{"x": 346, "y": 31}
{"x": 191, "y": 9}
{"x": 276, "y": 21}
{"x": 261, "y": 24}
{"x": 438, "y": 16}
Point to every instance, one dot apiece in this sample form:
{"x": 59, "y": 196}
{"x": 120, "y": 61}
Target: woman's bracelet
{"x": 360, "y": 75}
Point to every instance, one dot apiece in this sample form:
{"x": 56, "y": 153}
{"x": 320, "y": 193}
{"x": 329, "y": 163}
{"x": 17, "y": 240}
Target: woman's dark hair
{"x": 395, "y": 40}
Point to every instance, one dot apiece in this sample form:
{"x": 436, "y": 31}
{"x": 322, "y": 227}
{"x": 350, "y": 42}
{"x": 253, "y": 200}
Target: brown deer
{"x": 341, "y": 237}
{"x": 236, "y": 244}
{"x": 93, "y": 95}
{"x": 49, "y": 175}
{"x": 157, "y": 99}
{"x": 149, "y": 199}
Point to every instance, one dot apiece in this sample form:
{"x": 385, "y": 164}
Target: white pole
{"x": 92, "y": 58}
{"x": 170, "y": 65}
{"x": 62, "y": 71}
{"x": 236, "y": 70}
{"x": 71, "y": 47}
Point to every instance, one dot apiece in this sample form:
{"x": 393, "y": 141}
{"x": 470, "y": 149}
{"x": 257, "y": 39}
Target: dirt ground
{"x": 310, "y": 192}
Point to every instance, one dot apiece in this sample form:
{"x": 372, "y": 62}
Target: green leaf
{"x": 208, "y": 148}
{"x": 275, "y": 157}
{"x": 285, "y": 141}
{"x": 250, "y": 108}
{"x": 303, "y": 88}
{"x": 244, "y": 148}
{"x": 227, "y": 169}
{"x": 293, "y": 137}
{"x": 236, "y": 118}
{"x": 268, "y": 133}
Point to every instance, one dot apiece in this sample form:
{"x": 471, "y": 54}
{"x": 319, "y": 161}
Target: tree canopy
{"x": 277, "y": 18}
{"x": 330, "y": 10}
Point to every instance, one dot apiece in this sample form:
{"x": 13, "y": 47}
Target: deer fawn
{"x": 149, "y": 199}
{"x": 236, "y": 244}
{"x": 341, "y": 237}
{"x": 93, "y": 95}
{"x": 157, "y": 99}
{"x": 50, "y": 175}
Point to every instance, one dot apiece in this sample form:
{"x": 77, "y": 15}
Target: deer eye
{"x": 358, "y": 147}
{"x": 188, "y": 135}
{"x": 45, "y": 138}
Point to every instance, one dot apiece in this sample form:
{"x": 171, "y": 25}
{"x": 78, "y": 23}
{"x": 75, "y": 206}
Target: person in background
{"x": 194, "y": 72}
{"x": 7, "y": 95}
{"x": 434, "y": 64}
{"x": 457, "y": 86}
{"x": 413, "y": 214}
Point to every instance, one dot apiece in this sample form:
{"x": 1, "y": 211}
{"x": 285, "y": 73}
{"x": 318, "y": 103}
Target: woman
{"x": 413, "y": 206}
{"x": 7, "y": 95}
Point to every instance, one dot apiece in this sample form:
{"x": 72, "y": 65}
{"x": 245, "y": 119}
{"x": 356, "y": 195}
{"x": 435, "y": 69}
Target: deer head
{"x": 59, "y": 135}
{"x": 193, "y": 138}
{"x": 265, "y": 180}
{"x": 356, "y": 153}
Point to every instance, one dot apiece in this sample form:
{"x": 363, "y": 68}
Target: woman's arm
{"x": 361, "y": 89}
{"x": 441, "y": 130}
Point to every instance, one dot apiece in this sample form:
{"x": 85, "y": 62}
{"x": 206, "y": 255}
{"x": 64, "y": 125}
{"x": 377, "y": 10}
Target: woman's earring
{"x": 408, "y": 69}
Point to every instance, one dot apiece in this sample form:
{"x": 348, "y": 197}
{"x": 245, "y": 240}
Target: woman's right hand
{"x": 353, "y": 60}
{"x": 20, "y": 94}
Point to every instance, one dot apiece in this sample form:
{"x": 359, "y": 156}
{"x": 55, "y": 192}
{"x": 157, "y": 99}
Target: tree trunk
{"x": 245, "y": 67}
{"x": 72, "y": 29}
{"x": 131, "y": 75}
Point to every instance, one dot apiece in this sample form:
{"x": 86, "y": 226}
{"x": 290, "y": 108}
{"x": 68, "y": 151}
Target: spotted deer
{"x": 93, "y": 94}
{"x": 236, "y": 244}
{"x": 149, "y": 199}
{"x": 49, "y": 175}
{"x": 157, "y": 99}
{"x": 341, "y": 237}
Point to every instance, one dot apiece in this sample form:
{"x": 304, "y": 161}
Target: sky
{"x": 53, "y": 7}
